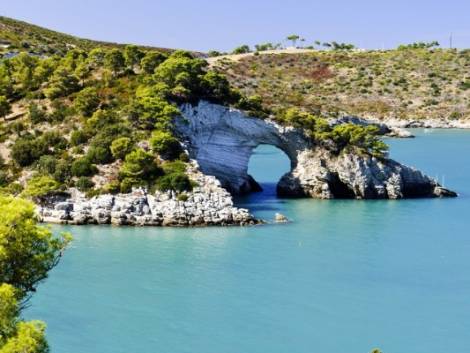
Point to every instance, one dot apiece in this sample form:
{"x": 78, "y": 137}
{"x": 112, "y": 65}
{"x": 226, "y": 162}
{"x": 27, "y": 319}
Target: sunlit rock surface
{"x": 222, "y": 140}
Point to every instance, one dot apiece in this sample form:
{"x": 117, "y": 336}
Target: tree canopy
{"x": 27, "y": 253}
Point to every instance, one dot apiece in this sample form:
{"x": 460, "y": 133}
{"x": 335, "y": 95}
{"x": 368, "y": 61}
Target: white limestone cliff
{"x": 222, "y": 140}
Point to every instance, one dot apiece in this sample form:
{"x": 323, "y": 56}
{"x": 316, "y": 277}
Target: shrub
{"x": 36, "y": 114}
{"x": 140, "y": 165}
{"x": 87, "y": 101}
{"x": 213, "y": 53}
{"x": 216, "y": 87}
{"x": 39, "y": 186}
{"x": 62, "y": 83}
{"x": 4, "y": 178}
{"x": 47, "y": 164}
{"x": 114, "y": 61}
{"x": 242, "y": 49}
{"x": 84, "y": 183}
{"x": 120, "y": 147}
{"x": 165, "y": 144}
{"x": 128, "y": 183}
{"x": 174, "y": 181}
{"x": 363, "y": 138}
{"x": 149, "y": 112}
{"x": 60, "y": 112}
{"x": 183, "y": 157}
{"x": 132, "y": 55}
{"x": 26, "y": 151}
{"x": 99, "y": 155}
{"x": 181, "y": 72}
{"x": 54, "y": 140}
{"x": 182, "y": 197}
{"x": 112, "y": 187}
{"x": 83, "y": 167}
{"x": 17, "y": 127}
{"x": 78, "y": 137}
{"x": 151, "y": 60}
{"x": 5, "y": 107}
{"x": 62, "y": 172}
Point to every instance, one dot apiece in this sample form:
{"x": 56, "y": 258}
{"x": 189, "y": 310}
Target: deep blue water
{"x": 344, "y": 276}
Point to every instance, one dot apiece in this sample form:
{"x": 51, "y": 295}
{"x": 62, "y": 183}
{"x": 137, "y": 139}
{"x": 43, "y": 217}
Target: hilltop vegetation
{"x": 19, "y": 36}
{"x": 100, "y": 117}
{"x": 105, "y": 107}
{"x": 412, "y": 82}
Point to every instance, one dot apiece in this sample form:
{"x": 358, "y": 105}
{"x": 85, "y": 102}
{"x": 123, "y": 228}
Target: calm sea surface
{"x": 343, "y": 277}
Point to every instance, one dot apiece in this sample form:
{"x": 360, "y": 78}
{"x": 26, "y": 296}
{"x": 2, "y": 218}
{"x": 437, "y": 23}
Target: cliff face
{"x": 222, "y": 141}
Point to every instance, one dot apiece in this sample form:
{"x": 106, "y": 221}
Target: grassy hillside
{"x": 99, "y": 117}
{"x": 21, "y": 36}
{"x": 405, "y": 84}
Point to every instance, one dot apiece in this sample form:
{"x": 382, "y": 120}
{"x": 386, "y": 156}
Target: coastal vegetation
{"x": 86, "y": 109}
{"x": 415, "y": 81}
{"x": 100, "y": 117}
{"x": 27, "y": 253}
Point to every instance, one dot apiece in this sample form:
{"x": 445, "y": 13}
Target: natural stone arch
{"x": 222, "y": 141}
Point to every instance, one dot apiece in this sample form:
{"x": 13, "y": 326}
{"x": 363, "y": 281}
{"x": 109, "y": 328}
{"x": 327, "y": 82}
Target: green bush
{"x": 62, "y": 83}
{"x": 151, "y": 60}
{"x": 182, "y": 197}
{"x": 174, "y": 181}
{"x": 83, "y": 167}
{"x": 5, "y": 107}
{"x": 149, "y": 112}
{"x": 4, "y": 178}
{"x": 63, "y": 172}
{"x": 120, "y": 147}
{"x": 99, "y": 155}
{"x": 112, "y": 187}
{"x": 54, "y": 141}
{"x": 128, "y": 183}
{"x": 36, "y": 114}
{"x": 114, "y": 61}
{"x": 165, "y": 144}
{"x": 84, "y": 183}
{"x": 242, "y": 49}
{"x": 47, "y": 164}
{"x": 78, "y": 137}
{"x": 60, "y": 112}
{"x": 140, "y": 165}
{"x": 39, "y": 186}
{"x": 364, "y": 138}
{"x": 87, "y": 101}
{"x": 26, "y": 151}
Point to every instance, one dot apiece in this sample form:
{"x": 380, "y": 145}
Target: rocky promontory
{"x": 220, "y": 142}
{"x": 207, "y": 204}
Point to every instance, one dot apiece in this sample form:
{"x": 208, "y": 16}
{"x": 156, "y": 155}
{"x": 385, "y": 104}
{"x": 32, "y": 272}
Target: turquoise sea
{"x": 344, "y": 277}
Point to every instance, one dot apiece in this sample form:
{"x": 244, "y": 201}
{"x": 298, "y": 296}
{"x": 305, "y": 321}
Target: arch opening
{"x": 266, "y": 166}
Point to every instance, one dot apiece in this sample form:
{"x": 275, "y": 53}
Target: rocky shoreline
{"x": 427, "y": 124}
{"x": 220, "y": 142}
{"x": 208, "y": 204}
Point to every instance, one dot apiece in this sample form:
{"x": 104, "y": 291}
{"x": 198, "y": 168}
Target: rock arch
{"x": 222, "y": 141}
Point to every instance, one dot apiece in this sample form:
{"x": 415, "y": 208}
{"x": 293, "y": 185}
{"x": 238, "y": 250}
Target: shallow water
{"x": 344, "y": 276}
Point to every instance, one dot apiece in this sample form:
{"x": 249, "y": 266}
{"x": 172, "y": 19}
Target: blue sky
{"x": 224, "y": 24}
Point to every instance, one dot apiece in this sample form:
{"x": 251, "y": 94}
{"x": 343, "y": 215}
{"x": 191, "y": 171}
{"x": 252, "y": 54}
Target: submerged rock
{"x": 280, "y": 218}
